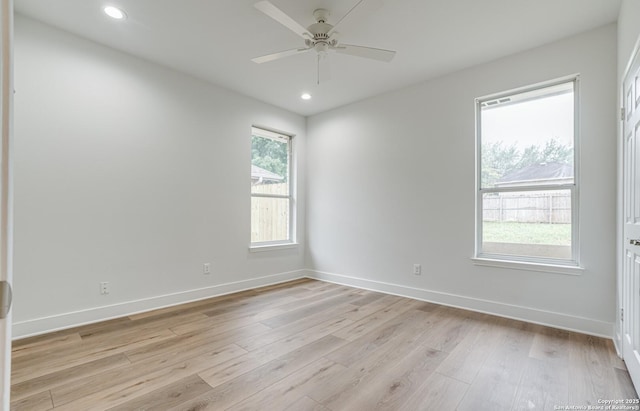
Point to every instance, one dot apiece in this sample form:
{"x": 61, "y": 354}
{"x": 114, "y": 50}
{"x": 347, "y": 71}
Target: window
{"x": 271, "y": 193}
{"x": 527, "y": 176}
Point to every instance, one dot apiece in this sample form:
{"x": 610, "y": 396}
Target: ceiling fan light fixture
{"x": 114, "y": 13}
{"x": 305, "y": 96}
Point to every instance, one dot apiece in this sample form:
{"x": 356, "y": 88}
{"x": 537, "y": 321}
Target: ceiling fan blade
{"x": 281, "y": 17}
{"x": 366, "y": 52}
{"x": 369, "y": 5}
{"x": 278, "y": 55}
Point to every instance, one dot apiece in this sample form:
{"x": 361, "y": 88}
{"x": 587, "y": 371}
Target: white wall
{"x": 134, "y": 174}
{"x": 628, "y": 31}
{"x": 379, "y": 172}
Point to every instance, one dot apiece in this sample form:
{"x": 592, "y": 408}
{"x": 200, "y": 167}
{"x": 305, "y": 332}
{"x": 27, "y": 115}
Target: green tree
{"x": 270, "y": 154}
{"x": 499, "y": 160}
{"x": 555, "y": 152}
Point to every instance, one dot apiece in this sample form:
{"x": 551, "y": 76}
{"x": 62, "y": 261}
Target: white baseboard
{"x": 617, "y": 343}
{"x": 532, "y": 315}
{"x": 28, "y": 328}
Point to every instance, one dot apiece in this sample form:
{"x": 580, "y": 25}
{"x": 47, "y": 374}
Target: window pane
{"x": 527, "y": 223}
{"x": 270, "y": 164}
{"x": 527, "y": 138}
{"x": 269, "y": 219}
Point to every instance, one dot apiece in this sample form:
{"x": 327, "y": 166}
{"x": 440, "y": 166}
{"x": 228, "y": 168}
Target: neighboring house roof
{"x": 261, "y": 175}
{"x": 538, "y": 172}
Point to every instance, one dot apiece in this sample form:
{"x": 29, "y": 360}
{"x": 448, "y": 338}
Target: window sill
{"x": 271, "y": 247}
{"x": 529, "y": 266}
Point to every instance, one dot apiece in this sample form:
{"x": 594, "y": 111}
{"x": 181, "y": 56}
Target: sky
{"x": 531, "y": 122}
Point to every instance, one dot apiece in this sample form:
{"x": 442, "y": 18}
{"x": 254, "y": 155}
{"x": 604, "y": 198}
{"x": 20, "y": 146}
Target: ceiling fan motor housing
{"x": 321, "y": 39}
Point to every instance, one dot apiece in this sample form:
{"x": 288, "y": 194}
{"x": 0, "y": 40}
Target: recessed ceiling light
{"x": 305, "y": 96}
{"x": 114, "y": 12}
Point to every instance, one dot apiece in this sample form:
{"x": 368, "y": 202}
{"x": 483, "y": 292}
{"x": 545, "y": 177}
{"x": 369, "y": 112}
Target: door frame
{"x": 620, "y": 242}
{"x": 6, "y": 189}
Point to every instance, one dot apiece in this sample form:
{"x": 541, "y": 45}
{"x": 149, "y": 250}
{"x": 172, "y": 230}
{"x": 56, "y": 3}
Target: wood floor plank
{"x": 132, "y": 388}
{"x": 171, "y": 395}
{"x": 226, "y": 322}
{"x": 407, "y": 326}
{"x": 304, "y": 299}
{"x": 551, "y": 344}
{"x": 233, "y": 368}
{"x": 359, "y": 312}
{"x": 449, "y": 326}
{"x": 438, "y": 392}
{"x": 375, "y": 320}
{"x": 286, "y": 392}
{"x": 236, "y": 390}
{"x": 320, "y": 285}
{"x": 385, "y": 384}
{"x": 590, "y": 369}
{"x": 544, "y": 386}
{"x": 307, "y": 310}
{"x": 103, "y": 388}
{"x": 368, "y": 298}
{"x": 313, "y": 292}
{"x": 68, "y": 331}
{"x": 466, "y": 359}
{"x": 36, "y": 346}
{"x": 313, "y": 332}
{"x": 196, "y": 305}
{"x": 382, "y": 356}
{"x": 312, "y": 345}
{"x": 193, "y": 343}
{"x": 247, "y": 308}
{"x": 242, "y": 314}
{"x": 25, "y": 368}
{"x": 624, "y": 384}
{"x": 118, "y": 335}
{"x": 314, "y": 320}
{"x": 122, "y": 323}
{"x": 306, "y": 404}
{"x": 227, "y": 371}
{"x": 36, "y": 402}
{"x": 67, "y": 375}
{"x": 148, "y": 324}
{"x": 496, "y": 384}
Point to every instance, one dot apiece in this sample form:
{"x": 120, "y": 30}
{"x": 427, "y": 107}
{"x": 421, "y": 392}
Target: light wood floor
{"x": 309, "y": 345}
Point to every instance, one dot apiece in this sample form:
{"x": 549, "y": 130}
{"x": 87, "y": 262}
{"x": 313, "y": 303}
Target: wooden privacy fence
{"x": 269, "y": 216}
{"x": 548, "y": 207}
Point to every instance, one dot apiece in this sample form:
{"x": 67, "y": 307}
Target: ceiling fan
{"x": 320, "y": 36}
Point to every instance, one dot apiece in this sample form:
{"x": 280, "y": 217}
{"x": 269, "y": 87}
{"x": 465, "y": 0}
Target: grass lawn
{"x": 527, "y": 233}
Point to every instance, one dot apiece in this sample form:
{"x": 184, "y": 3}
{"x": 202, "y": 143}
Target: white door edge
{"x": 6, "y": 189}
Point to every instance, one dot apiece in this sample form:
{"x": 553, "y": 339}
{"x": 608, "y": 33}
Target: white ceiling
{"x": 215, "y": 39}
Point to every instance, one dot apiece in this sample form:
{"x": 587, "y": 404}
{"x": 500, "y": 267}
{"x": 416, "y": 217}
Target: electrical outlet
{"x": 417, "y": 269}
{"x": 104, "y": 288}
{"x": 206, "y": 268}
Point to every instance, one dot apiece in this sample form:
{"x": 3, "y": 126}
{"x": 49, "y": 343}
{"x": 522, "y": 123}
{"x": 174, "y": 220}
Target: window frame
{"x": 265, "y": 132}
{"x": 523, "y": 261}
